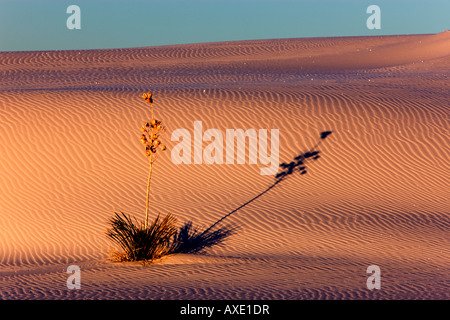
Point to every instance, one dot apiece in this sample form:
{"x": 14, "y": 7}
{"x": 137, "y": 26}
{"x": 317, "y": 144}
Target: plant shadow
{"x": 298, "y": 164}
{"x": 191, "y": 240}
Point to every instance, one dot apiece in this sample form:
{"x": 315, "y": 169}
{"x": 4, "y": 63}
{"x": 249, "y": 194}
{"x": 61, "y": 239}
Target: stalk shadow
{"x": 298, "y": 164}
{"x": 191, "y": 240}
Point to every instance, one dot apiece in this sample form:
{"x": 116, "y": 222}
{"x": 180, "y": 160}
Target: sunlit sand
{"x": 378, "y": 195}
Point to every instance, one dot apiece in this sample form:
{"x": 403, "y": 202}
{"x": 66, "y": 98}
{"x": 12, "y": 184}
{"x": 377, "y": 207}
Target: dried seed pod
{"x": 148, "y": 97}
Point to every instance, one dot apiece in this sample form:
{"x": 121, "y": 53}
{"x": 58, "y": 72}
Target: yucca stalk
{"x": 151, "y": 132}
{"x": 147, "y": 202}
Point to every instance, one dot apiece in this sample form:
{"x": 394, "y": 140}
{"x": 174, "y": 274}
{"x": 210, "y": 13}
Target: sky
{"x": 42, "y": 24}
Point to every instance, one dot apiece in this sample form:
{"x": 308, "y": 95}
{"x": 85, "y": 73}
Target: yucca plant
{"x": 141, "y": 241}
{"x": 138, "y": 242}
{"x": 147, "y": 242}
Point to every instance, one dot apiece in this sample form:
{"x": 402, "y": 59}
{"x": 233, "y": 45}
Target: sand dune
{"x": 71, "y": 157}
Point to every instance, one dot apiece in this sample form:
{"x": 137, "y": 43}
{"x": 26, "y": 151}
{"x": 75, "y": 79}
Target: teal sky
{"x": 41, "y": 24}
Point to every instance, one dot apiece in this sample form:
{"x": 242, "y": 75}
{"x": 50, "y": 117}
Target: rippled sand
{"x": 71, "y": 157}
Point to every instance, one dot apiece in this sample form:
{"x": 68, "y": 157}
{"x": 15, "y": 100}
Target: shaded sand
{"x": 71, "y": 157}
